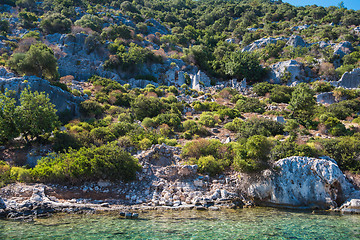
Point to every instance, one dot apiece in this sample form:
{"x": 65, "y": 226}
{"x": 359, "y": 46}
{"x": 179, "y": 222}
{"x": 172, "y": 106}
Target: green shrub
{"x": 262, "y": 88}
{"x": 235, "y": 125}
{"x": 208, "y": 119}
{"x": 344, "y": 109}
{"x": 4, "y": 173}
{"x": 210, "y": 165}
{"x": 146, "y": 107}
{"x": 344, "y": 150}
{"x": 55, "y": 23}
{"x": 204, "y": 147}
{"x": 91, "y": 108}
{"x": 62, "y": 141}
{"x": 102, "y": 133}
{"x": 108, "y": 162}
{"x": 260, "y": 126}
{"x": 170, "y": 119}
{"x": 228, "y": 113}
{"x": 250, "y": 105}
{"x": 20, "y": 174}
{"x": 90, "y": 21}
{"x": 148, "y": 122}
{"x": 145, "y": 143}
{"x": 254, "y": 155}
{"x": 288, "y": 149}
{"x": 39, "y": 60}
{"x": 322, "y": 86}
{"x": 281, "y": 94}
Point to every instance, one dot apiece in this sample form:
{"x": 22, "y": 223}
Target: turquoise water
{"x": 257, "y": 223}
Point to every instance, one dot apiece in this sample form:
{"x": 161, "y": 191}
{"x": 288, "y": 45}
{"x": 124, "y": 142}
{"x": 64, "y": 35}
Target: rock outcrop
{"x": 326, "y": 98}
{"x": 343, "y": 49}
{"x": 63, "y": 100}
{"x": 302, "y": 182}
{"x": 289, "y": 71}
{"x": 349, "y": 79}
{"x": 2, "y": 204}
{"x": 261, "y": 43}
{"x": 296, "y": 41}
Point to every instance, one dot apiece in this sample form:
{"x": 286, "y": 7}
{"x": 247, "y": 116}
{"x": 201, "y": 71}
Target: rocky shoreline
{"x": 165, "y": 183}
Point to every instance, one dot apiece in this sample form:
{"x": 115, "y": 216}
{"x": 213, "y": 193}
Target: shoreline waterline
{"x": 246, "y": 223}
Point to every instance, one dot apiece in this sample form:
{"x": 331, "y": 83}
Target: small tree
{"x": 55, "y": 23}
{"x": 244, "y": 65}
{"x": 302, "y": 102}
{"x": 8, "y": 128}
{"x": 35, "y": 115}
{"x": 39, "y": 61}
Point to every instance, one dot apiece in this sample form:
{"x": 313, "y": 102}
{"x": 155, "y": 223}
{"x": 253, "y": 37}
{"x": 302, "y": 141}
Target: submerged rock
{"x": 303, "y": 182}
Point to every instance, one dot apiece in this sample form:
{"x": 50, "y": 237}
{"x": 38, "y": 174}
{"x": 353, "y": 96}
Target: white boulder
{"x": 303, "y": 182}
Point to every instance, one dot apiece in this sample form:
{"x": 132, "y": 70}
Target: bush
{"x": 322, "y": 86}
{"x": 4, "y": 173}
{"x": 250, "y": 105}
{"x": 145, "y": 143}
{"x": 108, "y": 162}
{"x": 344, "y": 109}
{"x": 19, "y": 174}
{"x": 62, "y": 141}
{"x": 204, "y": 147}
{"x": 4, "y": 27}
{"x": 288, "y": 149}
{"x": 146, "y": 107}
{"x": 345, "y": 150}
{"x": 91, "y": 108}
{"x": 39, "y": 61}
{"x": 90, "y": 21}
{"x": 281, "y": 94}
{"x": 55, "y": 23}
{"x": 102, "y": 133}
{"x": 208, "y": 119}
{"x": 210, "y": 165}
{"x": 254, "y": 156}
{"x": 228, "y": 113}
{"x": 260, "y": 126}
{"x": 262, "y": 88}
{"x": 170, "y": 119}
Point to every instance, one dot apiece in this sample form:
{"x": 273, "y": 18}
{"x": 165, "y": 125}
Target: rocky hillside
{"x": 180, "y": 103}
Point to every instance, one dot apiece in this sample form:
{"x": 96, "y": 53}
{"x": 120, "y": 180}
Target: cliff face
{"x": 63, "y": 100}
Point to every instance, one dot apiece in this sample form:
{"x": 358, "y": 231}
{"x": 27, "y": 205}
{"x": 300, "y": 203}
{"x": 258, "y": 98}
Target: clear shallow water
{"x": 257, "y": 223}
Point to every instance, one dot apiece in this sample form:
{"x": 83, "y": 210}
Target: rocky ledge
{"x": 166, "y": 183}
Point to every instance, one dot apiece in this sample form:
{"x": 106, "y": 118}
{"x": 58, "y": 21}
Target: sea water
{"x": 255, "y": 223}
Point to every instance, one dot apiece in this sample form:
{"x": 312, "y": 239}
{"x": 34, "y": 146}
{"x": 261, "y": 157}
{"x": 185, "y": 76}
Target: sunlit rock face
{"x": 303, "y": 182}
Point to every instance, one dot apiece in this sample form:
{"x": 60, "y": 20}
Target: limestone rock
{"x": 303, "y": 182}
{"x": 296, "y": 71}
{"x": 296, "y": 41}
{"x": 261, "y": 43}
{"x": 154, "y": 26}
{"x": 2, "y": 204}
{"x": 301, "y": 27}
{"x": 62, "y": 100}
{"x": 349, "y": 79}
{"x": 326, "y": 98}
{"x": 343, "y": 49}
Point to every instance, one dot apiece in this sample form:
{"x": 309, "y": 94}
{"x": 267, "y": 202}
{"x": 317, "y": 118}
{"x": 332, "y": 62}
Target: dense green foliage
{"x": 108, "y": 162}
{"x": 38, "y": 61}
{"x": 33, "y": 117}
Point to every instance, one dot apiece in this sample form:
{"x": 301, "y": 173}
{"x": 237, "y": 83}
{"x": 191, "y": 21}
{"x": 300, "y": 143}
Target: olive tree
{"x": 35, "y": 115}
{"x": 39, "y": 61}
